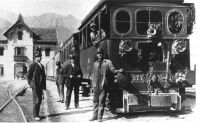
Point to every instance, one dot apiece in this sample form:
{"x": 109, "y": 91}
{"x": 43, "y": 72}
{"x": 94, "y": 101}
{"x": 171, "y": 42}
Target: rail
{"x": 13, "y": 98}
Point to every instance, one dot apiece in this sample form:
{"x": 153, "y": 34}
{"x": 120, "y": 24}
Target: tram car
{"x": 149, "y": 40}
{"x": 70, "y": 46}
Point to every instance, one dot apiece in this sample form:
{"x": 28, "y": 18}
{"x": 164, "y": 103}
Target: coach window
{"x": 1, "y": 51}
{"x": 145, "y": 18}
{"x": 81, "y": 41}
{"x": 122, "y": 21}
{"x": 89, "y": 42}
{"x": 84, "y": 38}
{"x": 104, "y": 19}
{"x": 175, "y": 22}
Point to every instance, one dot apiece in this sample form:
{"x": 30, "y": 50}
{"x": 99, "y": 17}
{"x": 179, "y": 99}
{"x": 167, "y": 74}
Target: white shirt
{"x": 72, "y": 65}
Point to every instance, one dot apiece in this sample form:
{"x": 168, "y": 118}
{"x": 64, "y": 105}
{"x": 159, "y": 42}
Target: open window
{"x": 19, "y": 51}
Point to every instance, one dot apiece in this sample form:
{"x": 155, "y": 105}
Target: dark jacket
{"x": 59, "y": 76}
{"x": 69, "y": 70}
{"x": 36, "y": 76}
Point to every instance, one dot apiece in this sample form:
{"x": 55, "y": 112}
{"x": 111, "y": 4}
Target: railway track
{"x": 12, "y": 98}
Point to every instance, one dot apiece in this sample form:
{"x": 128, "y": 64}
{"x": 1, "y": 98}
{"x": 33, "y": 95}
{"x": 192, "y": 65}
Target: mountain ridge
{"x": 65, "y": 25}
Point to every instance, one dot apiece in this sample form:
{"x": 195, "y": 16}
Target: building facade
{"x": 19, "y": 44}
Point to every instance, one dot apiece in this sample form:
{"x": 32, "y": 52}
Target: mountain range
{"x": 65, "y": 25}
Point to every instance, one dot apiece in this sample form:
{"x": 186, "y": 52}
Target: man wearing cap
{"x": 96, "y": 35}
{"x": 72, "y": 76}
{"x": 60, "y": 82}
{"x": 100, "y": 83}
{"x": 37, "y": 80}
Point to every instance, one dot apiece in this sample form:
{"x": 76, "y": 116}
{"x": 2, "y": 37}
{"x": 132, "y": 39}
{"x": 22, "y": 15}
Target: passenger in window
{"x": 96, "y": 35}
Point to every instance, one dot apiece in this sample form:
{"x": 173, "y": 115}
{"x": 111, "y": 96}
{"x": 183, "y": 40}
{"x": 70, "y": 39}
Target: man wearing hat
{"x": 60, "y": 82}
{"x": 72, "y": 76}
{"x": 102, "y": 67}
{"x": 96, "y": 35}
{"x": 37, "y": 80}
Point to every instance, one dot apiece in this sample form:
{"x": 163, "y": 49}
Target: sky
{"x": 78, "y": 8}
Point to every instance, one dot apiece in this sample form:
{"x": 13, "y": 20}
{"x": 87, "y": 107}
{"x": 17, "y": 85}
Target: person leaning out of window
{"x": 96, "y": 35}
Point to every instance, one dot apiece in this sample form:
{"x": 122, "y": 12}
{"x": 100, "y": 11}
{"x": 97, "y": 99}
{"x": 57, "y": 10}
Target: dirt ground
{"x": 53, "y": 111}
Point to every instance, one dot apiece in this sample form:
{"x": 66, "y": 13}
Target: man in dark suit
{"x": 37, "y": 80}
{"x": 60, "y": 82}
{"x": 72, "y": 75}
{"x": 102, "y": 68}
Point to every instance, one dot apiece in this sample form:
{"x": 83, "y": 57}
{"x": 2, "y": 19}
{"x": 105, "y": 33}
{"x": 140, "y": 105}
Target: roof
{"x": 46, "y": 34}
{"x": 2, "y": 37}
{"x": 101, "y": 3}
{"x": 20, "y": 21}
{"x": 41, "y": 34}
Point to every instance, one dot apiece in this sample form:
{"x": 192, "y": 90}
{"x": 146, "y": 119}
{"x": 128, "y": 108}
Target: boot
{"x": 93, "y": 118}
{"x": 99, "y": 118}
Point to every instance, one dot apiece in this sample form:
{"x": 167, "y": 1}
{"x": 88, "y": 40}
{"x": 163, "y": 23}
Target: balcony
{"x": 20, "y": 58}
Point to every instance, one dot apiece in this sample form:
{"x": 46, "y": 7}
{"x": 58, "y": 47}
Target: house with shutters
{"x": 18, "y": 45}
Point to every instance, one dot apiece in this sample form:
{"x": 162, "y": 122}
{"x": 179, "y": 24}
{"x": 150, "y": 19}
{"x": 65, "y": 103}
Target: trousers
{"x": 99, "y": 102}
{"x": 69, "y": 93}
{"x": 37, "y": 100}
{"x": 60, "y": 89}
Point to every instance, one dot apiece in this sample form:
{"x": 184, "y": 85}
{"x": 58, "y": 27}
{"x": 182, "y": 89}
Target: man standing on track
{"x": 37, "y": 80}
{"x": 72, "y": 75}
{"x": 60, "y": 82}
{"x": 100, "y": 83}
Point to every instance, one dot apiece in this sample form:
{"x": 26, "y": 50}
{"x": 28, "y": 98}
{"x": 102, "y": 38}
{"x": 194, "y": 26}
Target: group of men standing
{"x": 71, "y": 75}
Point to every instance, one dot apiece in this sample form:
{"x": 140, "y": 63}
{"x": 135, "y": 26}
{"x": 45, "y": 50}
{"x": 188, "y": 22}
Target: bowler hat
{"x": 100, "y": 51}
{"x": 58, "y": 63}
{"x": 37, "y": 54}
{"x": 72, "y": 56}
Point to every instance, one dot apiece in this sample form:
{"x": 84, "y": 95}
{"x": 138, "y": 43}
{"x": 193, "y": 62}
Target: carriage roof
{"x": 101, "y": 3}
